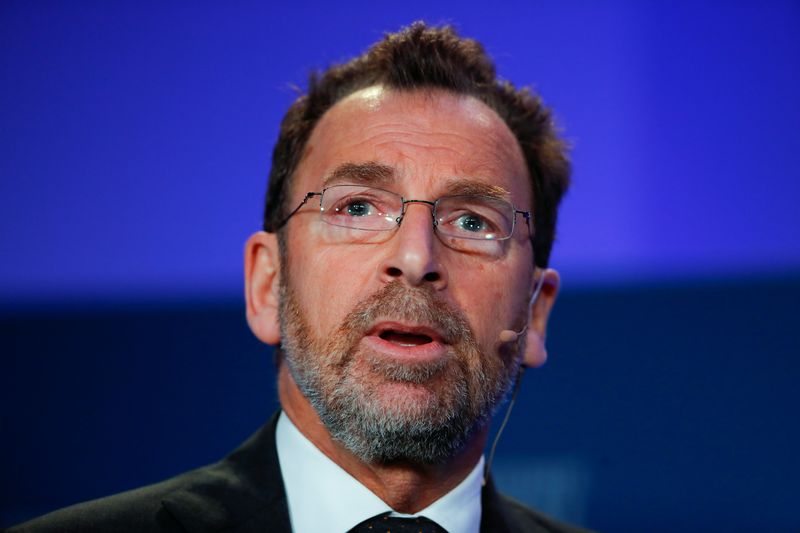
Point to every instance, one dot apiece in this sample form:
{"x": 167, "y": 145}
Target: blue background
{"x": 136, "y": 141}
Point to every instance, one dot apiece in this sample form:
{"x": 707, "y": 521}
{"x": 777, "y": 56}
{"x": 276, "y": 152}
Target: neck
{"x": 405, "y": 487}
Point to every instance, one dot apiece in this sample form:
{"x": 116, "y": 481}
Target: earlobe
{"x": 535, "y": 351}
{"x": 262, "y": 284}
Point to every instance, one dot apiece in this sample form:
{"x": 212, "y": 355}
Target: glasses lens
{"x": 363, "y": 208}
{"x": 479, "y": 218}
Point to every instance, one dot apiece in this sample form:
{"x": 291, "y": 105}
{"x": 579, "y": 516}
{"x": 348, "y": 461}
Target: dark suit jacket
{"x": 242, "y": 493}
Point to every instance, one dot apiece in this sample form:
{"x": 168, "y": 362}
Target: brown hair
{"x": 419, "y": 57}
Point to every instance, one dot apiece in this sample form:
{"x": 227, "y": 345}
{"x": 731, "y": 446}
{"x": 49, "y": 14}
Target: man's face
{"x": 394, "y": 341}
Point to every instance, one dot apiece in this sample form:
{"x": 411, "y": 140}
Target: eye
{"x": 357, "y": 208}
{"x": 471, "y": 223}
{"x": 355, "y": 205}
{"x": 474, "y": 217}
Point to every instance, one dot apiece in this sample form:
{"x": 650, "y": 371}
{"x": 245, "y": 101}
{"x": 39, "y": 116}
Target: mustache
{"x": 418, "y": 305}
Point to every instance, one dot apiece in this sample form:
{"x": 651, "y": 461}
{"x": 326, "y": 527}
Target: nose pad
{"x": 413, "y": 255}
{"x": 431, "y": 205}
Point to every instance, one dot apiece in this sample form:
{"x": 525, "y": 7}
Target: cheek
{"x": 330, "y": 281}
{"x": 492, "y": 296}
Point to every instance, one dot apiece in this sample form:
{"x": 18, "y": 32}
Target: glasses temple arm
{"x": 527, "y": 215}
{"x": 306, "y": 198}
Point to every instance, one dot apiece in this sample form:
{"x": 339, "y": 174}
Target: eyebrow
{"x": 367, "y": 173}
{"x": 372, "y": 173}
{"x": 462, "y": 186}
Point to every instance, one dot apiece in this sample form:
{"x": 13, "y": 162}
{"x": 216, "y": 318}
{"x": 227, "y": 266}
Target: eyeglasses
{"x": 466, "y": 222}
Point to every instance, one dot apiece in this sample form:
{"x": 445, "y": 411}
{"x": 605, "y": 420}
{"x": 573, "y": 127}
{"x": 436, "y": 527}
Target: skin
{"x": 431, "y": 139}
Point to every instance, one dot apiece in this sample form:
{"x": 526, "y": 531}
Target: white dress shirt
{"x": 323, "y": 497}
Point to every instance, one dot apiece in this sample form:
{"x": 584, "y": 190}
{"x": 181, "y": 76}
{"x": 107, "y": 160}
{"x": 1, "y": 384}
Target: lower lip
{"x": 417, "y": 353}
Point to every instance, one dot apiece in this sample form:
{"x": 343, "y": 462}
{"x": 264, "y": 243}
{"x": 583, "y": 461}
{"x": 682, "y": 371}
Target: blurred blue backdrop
{"x": 136, "y": 141}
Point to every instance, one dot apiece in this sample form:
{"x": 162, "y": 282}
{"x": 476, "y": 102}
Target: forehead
{"x": 429, "y": 137}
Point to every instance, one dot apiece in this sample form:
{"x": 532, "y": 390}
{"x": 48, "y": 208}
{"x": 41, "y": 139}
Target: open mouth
{"x": 406, "y": 335}
{"x": 404, "y": 338}
{"x": 395, "y": 341}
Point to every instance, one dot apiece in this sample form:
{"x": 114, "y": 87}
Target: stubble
{"x": 354, "y": 391}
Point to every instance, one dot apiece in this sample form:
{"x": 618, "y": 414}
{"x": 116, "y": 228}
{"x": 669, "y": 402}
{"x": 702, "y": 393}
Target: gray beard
{"x": 337, "y": 377}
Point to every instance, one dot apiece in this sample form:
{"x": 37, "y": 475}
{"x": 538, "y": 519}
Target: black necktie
{"x": 383, "y": 523}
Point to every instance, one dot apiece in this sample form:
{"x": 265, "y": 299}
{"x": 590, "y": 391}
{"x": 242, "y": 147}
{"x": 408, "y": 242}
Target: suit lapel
{"x": 493, "y": 516}
{"x": 242, "y": 493}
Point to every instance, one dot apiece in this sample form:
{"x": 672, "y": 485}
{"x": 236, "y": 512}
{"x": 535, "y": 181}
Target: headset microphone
{"x": 509, "y": 335}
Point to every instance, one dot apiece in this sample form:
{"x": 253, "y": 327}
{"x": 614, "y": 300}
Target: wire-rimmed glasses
{"x": 464, "y": 222}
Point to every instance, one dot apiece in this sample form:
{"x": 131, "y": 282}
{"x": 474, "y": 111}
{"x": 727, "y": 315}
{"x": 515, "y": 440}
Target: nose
{"x": 413, "y": 252}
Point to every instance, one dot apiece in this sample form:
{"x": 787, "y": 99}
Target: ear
{"x": 535, "y": 351}
{"x": 261, "y": 286}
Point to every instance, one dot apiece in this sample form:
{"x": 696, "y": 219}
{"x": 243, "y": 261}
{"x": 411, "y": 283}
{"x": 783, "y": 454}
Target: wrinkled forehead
{"x": 430, "y": 134}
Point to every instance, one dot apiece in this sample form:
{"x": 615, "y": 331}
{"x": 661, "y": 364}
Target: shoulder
{"x": 501, "y": 513}
{"x": 140, "y": 509}
{"x": 525, "y": 518}
{"x": 245, "y": 487}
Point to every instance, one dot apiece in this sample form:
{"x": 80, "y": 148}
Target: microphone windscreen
{"x": 507, "y": 335}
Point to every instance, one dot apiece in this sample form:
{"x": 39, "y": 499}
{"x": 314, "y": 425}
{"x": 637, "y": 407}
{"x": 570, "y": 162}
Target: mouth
{"x": 407, "y": 341}
{"x": 403, "y": 338}
{"x": 405, "y": 334}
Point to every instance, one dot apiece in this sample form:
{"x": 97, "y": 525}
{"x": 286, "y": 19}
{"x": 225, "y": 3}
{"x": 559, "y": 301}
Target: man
{"x": 403, "y": 274}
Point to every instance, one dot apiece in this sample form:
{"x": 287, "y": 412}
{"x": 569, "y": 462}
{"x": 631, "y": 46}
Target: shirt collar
{"x": 315, "y": 485}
